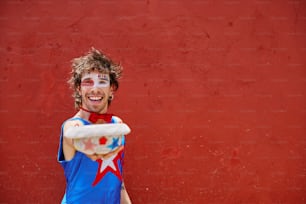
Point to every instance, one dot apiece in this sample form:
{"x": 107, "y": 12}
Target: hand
{"x": 94, "y": 157}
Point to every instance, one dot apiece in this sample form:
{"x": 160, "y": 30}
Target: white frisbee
{"x": 88, "y": 131}
{"x": 98, "y": 139}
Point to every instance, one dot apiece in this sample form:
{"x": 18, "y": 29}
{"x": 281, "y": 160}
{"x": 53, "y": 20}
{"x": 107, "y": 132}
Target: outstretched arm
{"x": 68, "y": 147}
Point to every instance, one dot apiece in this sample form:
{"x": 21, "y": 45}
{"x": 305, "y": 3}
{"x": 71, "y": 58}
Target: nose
{"x": 96, "y": 90}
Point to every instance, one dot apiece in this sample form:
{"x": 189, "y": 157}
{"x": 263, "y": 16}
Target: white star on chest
{"x": 108, "y": 162}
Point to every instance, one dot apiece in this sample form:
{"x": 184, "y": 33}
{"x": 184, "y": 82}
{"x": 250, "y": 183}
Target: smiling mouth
{"x": 95, "y": 98}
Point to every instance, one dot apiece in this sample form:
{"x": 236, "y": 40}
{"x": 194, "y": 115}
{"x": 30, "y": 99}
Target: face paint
{"x": 95, "y": 80}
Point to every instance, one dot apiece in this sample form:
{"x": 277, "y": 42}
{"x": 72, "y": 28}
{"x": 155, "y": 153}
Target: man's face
{"x": 95, "y": 90}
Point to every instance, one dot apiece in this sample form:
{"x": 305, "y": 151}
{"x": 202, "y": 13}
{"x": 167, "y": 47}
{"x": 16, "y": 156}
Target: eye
{"x": 87, "y": 82}
{"x": 103, "y": 82}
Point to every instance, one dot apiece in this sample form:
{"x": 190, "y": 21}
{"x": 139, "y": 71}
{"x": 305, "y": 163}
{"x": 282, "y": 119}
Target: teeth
{"x": 95, "y": 98}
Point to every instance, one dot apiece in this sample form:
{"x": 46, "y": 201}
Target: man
{"x": 93, "y": 175}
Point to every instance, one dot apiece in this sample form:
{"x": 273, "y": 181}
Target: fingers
{"x": 94, "y": 157}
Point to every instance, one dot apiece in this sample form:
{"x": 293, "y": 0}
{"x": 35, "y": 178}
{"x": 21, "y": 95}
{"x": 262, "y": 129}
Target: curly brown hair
{"x": 93, "y": 60}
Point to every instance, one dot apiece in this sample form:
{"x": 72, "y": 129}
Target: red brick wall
{"x": 214, "y": 92}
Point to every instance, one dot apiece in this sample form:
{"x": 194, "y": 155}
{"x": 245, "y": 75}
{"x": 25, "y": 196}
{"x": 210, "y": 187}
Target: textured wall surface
{"x": 214, "y": 92}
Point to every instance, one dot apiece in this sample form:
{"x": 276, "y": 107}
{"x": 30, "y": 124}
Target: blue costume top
{"x": 88, "y": 181}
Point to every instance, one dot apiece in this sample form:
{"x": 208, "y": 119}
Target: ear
{"x": 112, "y": 90}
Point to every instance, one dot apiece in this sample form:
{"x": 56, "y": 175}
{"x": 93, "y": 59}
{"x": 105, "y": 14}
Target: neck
{"x": 88, "y": 111}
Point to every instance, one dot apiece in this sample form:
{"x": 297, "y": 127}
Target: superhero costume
{"x": 89, "y": 181}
